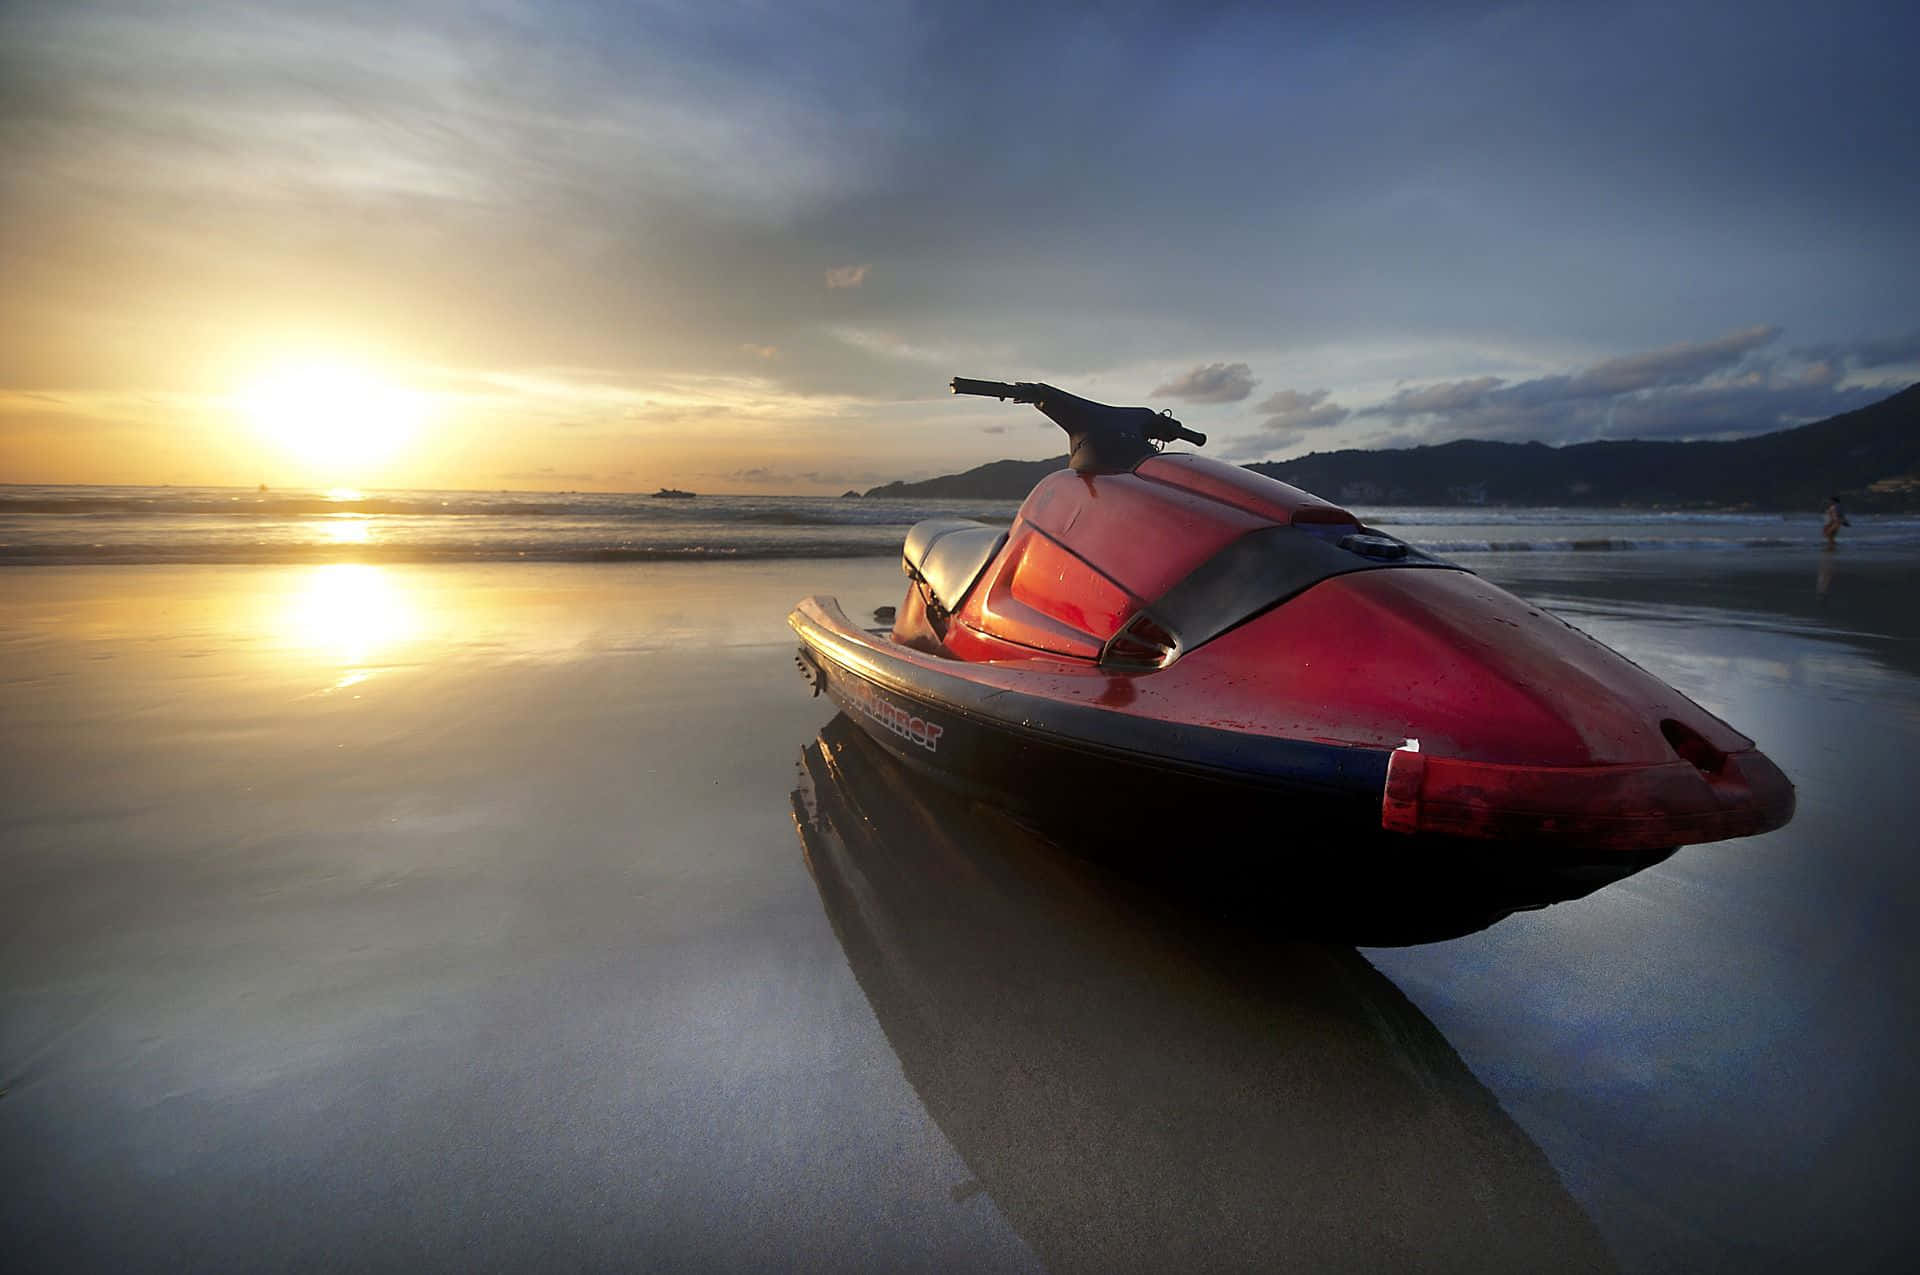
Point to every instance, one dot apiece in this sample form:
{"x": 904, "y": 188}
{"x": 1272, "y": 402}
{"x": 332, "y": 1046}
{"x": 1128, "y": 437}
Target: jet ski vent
{"x": 1690, "y": 745}
{"x": 1385, "y": 548}
{"x": 1141, "y": 644}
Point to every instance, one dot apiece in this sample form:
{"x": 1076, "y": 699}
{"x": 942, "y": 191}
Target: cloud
{"x": 1730, "y": 409}
{"x": 1292, "y": 410}
{"x": 1721, "y": 388}
{"x": 888, "y": 345}
{"x": 1210, "y": 383}
{"x": 1673, "y": 364}
{"x": 760, "y": 351}
{"x": 1823, "y": 372}
{"x": 1445, "y": 396}
{"x": 240, "y": 176}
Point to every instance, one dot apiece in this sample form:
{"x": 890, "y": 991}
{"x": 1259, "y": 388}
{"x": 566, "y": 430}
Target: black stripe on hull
{"x": 1109, "y": 782}
{"x": 1039, "y": 775}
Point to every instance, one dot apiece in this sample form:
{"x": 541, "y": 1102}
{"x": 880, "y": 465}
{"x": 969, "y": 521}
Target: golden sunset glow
{"x": 349, "y": 614}
{"x": 344, "y": 529}
{"x": 314, "y": 246}
{"x": 335, "y": 416}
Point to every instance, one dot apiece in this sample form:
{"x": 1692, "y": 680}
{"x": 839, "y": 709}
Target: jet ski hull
{"x": 1060, "y": 743}
{"x": 1173, "y": 653}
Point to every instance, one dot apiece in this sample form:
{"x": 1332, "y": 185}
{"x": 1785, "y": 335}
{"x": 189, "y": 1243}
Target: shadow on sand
{"x": 1141, "y": 1086}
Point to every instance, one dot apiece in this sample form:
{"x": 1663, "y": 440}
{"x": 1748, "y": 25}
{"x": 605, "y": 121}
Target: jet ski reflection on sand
{"x": 1174, "y": 646}
{"x": 1138, "y": 1088}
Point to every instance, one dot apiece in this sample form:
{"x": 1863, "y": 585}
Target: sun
{"x": 334, "y": 415}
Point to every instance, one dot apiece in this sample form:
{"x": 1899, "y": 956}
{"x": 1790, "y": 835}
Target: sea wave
{"x": 82, "y": 525}
{"x": 401, "y": 553}
{"x": 144, "y": 503}
{"x": 1656, "y": 544}
{"x": 738, "y": 548}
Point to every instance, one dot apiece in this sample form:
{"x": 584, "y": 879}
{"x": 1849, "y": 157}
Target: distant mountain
{"x": 996, "y": 480}
{"x": 1870, "y": 457}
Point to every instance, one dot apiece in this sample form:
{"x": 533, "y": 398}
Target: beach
{"x": 453, "y": 459}
{"x": 482, "y": 915}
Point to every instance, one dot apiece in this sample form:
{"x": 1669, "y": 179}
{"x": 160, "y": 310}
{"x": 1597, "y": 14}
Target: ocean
{"x": 131, "y": 525}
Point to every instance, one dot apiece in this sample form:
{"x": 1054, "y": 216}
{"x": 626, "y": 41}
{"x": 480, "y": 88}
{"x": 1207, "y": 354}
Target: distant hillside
{"x": 1871, "y": 457}
{"x": 996, "y": 480}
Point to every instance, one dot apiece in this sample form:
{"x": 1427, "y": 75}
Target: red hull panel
{"x": 1444, "y": 657}
{"x": 1622, "y": 806}
{"x": 1145, "y": 536}
{"x": 1243, "y": 489}
{"x": 1502, "y": 721}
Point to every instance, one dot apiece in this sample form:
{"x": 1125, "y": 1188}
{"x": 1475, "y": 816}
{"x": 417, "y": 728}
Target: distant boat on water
{"x": 672, "y": 493}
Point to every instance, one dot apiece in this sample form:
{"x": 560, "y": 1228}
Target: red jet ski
{"x": 1158, "y": 631}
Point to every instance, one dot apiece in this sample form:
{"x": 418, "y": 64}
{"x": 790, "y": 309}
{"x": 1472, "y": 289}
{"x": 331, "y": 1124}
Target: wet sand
{"x": 454, "y": 918}
{"x": 1716, "y": 1054}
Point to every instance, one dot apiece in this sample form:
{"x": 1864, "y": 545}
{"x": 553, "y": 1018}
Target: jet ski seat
{"x": 948, "y": 554}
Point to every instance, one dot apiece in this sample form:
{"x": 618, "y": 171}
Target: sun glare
{"x": 344, "y": 529}
{"x": 332, "y": 415}
{"x": 349, "y": 613}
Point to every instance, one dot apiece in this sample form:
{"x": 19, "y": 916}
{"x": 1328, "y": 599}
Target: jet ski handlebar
{"x": 1079, "y": 416}
{"x": 1025, "y": 392}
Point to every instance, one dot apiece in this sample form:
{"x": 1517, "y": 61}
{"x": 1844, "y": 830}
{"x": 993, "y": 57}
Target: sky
{"x": 743, "y": 247}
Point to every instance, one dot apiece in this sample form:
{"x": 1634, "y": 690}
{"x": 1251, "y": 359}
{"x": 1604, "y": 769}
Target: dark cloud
{"x": 1730, "y": 410}
{"x": 1670, "y": 365}
{"x": 1443, "y": 396}
{"x": 691, "y": 171}
{"x": 1724, "y": 387}
{"x": 1291, "y": 410}
{"x": 1210, "y": 383}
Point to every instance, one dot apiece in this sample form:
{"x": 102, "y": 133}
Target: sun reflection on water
{"x": 346, "y": 529}
{"x": 352, "y": 614}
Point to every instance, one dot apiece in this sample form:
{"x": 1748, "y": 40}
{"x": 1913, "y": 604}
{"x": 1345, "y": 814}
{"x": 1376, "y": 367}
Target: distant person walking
{"x": 1836, "y": 519}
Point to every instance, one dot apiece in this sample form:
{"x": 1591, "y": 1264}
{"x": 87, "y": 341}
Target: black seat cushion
{"x": 948, "y": 555}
